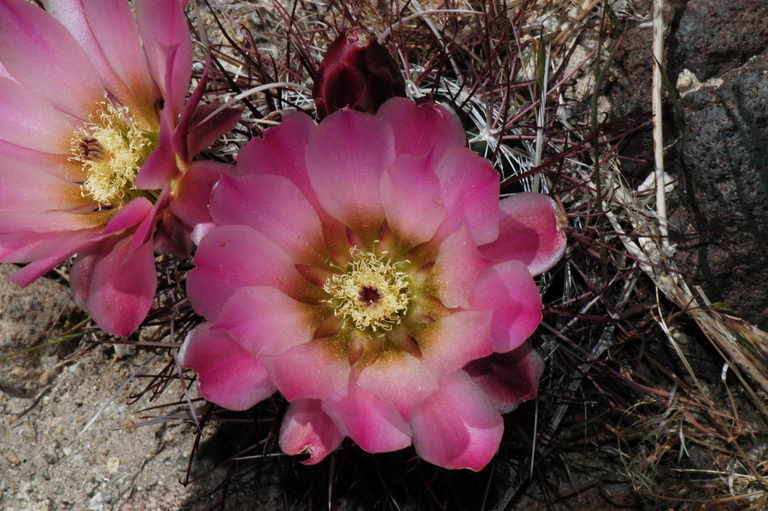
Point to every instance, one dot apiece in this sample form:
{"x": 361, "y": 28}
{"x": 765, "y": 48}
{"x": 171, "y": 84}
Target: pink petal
{"x": 509, "y": 378}
{"x": 457, "y": 427}
{"x": 30, "y": 121}
{"x": 235, "y": 256}
{"x": 22, "y": 247}
{"x": 457, "y": 266}
{"x": 200, "y": 230}
{"x": 228, "y": 375}
{"x": 307, "y": 429}
{"x": 403, "y": 380}
{"x": 470, "y": 193}
{"x": 272, "y": 205}
{"x": 115, "y": 284}
{"x": 107, "y": 31}
{"x": 530, "y": 232}
{"x": 164, "y": 32}
{"x": 160, "y": 166}
{"x": 30, "y": 186}
{"x": 193, "y": 191}
{"x": 281, "y": 152}
{"x": 375, "y": 425}
{"x": 266, "y": 321}
{"x": 182, "y": 127}
{"x": 129, "y": 215}
{"x": 40, "y": 53}
{"x": 35, "y": 161}
{"x": 49, "y": 220}
{"x": 422, "y": 128}
{"x": 231, "y": 257}
{"x": 53, "y": 256}
{"x": 346, "y": 156}
{"x": 451, "y": 342}
{"x": 148, "y": 225}
{"x": 509, "y": 291}
{"x": 309, "y": 371}
{"x": 412, "y": 200}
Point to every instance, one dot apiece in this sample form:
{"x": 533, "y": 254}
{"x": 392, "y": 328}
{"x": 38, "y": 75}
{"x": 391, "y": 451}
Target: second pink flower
{"x": 365, "y": 269}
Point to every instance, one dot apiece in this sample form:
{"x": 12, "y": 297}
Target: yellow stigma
{"x": 370, "y": 293}
{"x": 111, "y": 147}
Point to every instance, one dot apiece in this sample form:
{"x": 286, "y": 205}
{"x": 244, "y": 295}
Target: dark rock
{"x": 723, "y": 163}
{"x": 630, "y": 100}
{"x": 714, "y": 36}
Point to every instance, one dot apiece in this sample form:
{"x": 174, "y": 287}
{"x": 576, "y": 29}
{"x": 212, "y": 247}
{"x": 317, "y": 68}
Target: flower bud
{"x": 357, "y": 72}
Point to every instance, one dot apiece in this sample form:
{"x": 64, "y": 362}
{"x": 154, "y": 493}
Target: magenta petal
{"x": 31, "y": 122}
{"x": 529, "y": 232}
{"x": 307, "y": 429}
{"x": 228, "y": 375}
{"x": 422, "y": 128}
{"x": 470, "y": 193}
{"x": 403, "y": 380}
{"x": 235, "y": 256}
{"x": 39, "y": 52}
{"x": 311, "y": 370}
{"x": 204, "y": 131}
{"x": 164, "y": 32}
{"x": 375, "y": 425}
{"x": 509, "y": 291}
{"x": 266, "y": 321}
{"x": 412, "y": 200}
{"x": 457, "y": 266}
{"x": 458, "y": 426}
{"x": 345, "y": 158}
{"x": 193, "y": 191}
{"x": 509, "y": 378}
{"x": 116, "y": 284}
{"x": 272, "y": 205}
{"x": 451, "y": 342}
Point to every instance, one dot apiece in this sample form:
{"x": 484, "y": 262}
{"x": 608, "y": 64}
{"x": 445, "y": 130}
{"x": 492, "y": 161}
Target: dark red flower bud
{"x": 356, "y": 72}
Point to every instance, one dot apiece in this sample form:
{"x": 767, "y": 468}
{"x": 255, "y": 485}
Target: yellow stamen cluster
{"x": 370, "y": 292}
{"x": 111, "y": 147}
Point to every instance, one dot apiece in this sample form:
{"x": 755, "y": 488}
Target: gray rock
{"x": 714, "y": 36}
{"x": 723, "y": 161}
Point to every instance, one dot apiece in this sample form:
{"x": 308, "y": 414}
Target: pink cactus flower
{"x": 365, "y": 269}
{"x": 96, "y": 147}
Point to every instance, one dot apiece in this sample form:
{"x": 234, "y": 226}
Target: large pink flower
{"x": 96, "y": 146}
{"x": 365, "y": 268}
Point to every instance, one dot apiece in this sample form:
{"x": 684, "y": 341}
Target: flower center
{"x": 111, "y": 148}
{"x": 370, "y": 293}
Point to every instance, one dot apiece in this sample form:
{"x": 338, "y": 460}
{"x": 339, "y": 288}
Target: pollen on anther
{"x": 110, "y": 147}
{"x": 370, "y": 293}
